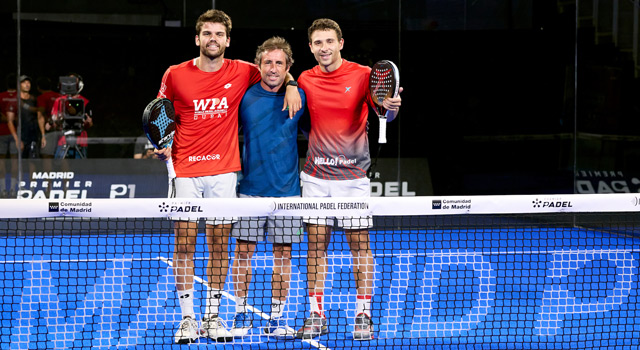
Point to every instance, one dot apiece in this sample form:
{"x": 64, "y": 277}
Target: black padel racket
{"x": 384, "y": 82}
{"x": 158, "y": 122}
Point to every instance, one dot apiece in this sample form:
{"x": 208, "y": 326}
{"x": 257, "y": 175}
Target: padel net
{"x": 526, "y": 272}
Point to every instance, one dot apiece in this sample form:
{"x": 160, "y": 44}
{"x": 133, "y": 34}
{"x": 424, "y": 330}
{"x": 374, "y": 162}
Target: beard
{"x": 206, "y": 53}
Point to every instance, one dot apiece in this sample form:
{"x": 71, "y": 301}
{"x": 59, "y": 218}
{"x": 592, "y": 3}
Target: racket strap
{"x": 374, "y": 162}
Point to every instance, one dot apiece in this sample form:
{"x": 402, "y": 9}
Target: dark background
{"x": 491, "y": 96}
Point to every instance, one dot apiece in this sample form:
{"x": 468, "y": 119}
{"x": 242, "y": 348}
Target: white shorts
{"x": 216, "y": 186}
{"x": 314, "y": 187}
{"x": 280, "y": 229}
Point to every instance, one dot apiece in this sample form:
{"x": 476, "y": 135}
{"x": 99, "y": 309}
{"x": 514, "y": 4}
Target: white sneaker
{"x": 363, "y": 328}
{"x": 187, "y": 331}
{"x": 216, "y": 329}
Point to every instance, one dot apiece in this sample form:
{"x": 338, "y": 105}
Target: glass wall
{"x": 500, "y": 97}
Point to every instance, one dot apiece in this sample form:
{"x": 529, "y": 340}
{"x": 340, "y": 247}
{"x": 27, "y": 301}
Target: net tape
{"x": 336, "y": 206}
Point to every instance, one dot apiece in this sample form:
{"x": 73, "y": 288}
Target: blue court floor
{"x": 440, "y": 289}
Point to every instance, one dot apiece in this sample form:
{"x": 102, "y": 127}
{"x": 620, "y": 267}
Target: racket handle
{"x": 382, "y": 134}
{"x": 170, "y": 171}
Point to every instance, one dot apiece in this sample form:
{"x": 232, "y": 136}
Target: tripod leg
{"x": 61, "y": 152}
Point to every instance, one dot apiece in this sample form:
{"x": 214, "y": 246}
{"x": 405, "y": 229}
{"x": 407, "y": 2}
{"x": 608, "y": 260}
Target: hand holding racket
{"x": 158, "y": 123}
{"x": 384, "y": 82}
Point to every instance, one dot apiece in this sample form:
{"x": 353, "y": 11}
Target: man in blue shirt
{"x": 269, "y": 169}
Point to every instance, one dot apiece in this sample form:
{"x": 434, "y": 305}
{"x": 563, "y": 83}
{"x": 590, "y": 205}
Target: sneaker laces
{"x": 218, "y": 322}
{"x": 188, "y": 324}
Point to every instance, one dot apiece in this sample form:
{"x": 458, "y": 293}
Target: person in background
{"x": 46, "y": 100}
{"x": 31, "y": 138}
{"x": 143, "y": 149}
{"x": 8, "y": 149}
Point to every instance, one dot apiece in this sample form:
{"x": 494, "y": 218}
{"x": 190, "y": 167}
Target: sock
{"x": 277, "y": 306}
{"x": 316, "y": 299}
{"x": 363, "y": 305}
{"x": 241, "y": 304}
{"x": 185, "y": 297}
{"x": 213, "y": 303}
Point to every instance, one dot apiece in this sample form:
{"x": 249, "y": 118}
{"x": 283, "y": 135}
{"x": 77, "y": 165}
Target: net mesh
{"x": 536, "y": 272}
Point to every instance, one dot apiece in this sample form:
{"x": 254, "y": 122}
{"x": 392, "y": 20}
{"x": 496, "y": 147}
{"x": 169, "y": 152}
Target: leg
{"x": 218, "y": 262}
{"x": 316, "y": 324}
{"x": 358, "y": 241}
{"x": 217, "y": 269}
{"x": 241, "y": 269}
{"x": 241, "y": 275}
{"x": 280, "y": 279}
{"x": 281, "y": 275}
{"x": 318, "y": 236}
{"x": 186, "y": 233}
{"x": 363, "y": 261}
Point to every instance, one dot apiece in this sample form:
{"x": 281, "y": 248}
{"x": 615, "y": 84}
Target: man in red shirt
{"x": 206, "y": 93}
{"x": 336, "y": 166}
{"x": 8, "y": 149}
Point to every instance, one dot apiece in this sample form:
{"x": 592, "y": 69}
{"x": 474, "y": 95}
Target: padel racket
{"x": 384, "y": 82}
{"x": 158, "y": 122}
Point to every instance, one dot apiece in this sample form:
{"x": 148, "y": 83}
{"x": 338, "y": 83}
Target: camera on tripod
{"x": 73, "y": 114}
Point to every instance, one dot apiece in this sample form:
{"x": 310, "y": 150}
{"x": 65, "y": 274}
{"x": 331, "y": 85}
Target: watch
{"x": 292, "y": 83}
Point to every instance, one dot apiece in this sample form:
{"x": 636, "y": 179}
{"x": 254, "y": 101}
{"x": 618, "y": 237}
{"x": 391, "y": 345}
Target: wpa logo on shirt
{"x": 210, "y": 108}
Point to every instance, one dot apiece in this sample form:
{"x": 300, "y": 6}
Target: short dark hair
{"x": 214, "y": 16}
{"x": 44, "y": 83}
{"x": 325, "y": 24}
{"x": 274, "y": 43}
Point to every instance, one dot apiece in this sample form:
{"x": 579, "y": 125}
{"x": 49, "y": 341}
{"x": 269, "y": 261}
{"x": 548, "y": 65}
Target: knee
{"x": 243, "y": 255}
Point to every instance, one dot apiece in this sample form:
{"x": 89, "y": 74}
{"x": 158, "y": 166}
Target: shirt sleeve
{"x": 166, "y": 89}
{"x": 57, "y": 108}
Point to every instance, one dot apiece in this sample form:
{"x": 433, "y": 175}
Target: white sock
{"x": 363, "y": 305}
{"x": 241, "y": 304}
{"x": 277, "y": 307}
{"x": 185, "y": 297}
{"x": 213, "y": 303}
{"x": 316, "y": 301}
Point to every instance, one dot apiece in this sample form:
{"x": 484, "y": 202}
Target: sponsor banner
{"x": 606, "y": 181}
{"x": 88, "y": 178}
{"x": 415, "y": 178}
{"x": 143, "y": 178}
{"x": 422, "y": 205}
